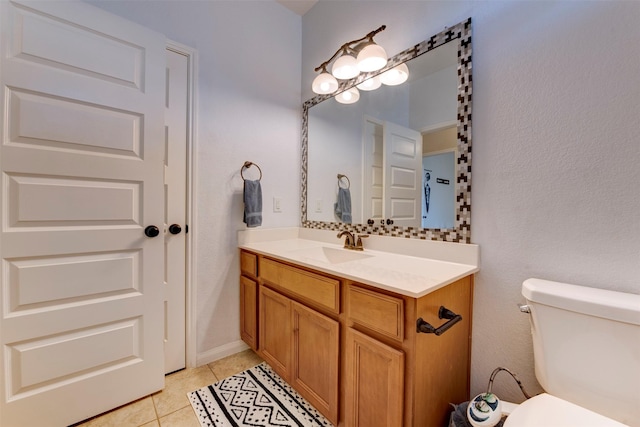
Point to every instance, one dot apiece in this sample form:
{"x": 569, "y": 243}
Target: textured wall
{"x": 556, "y": 150}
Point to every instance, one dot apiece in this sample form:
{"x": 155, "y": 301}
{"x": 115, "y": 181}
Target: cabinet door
{"x": 249, "y": 312}
{"x": 374, "y": 376}
{"x": 275, "y": 331}
{"x": 315, "y": 359}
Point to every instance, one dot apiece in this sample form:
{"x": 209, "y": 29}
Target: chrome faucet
{"x": 349, "y": 241}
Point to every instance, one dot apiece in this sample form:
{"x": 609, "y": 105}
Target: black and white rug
{"x": 256, "y": 397}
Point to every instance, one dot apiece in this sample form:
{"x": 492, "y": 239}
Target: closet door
{"x": 82, "y": 116}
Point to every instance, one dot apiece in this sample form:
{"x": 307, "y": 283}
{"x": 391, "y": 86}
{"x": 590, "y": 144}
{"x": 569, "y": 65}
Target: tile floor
{"x": 171, "y": 407}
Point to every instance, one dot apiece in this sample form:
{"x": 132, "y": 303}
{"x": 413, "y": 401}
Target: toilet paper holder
{"x": 425, "y": 327}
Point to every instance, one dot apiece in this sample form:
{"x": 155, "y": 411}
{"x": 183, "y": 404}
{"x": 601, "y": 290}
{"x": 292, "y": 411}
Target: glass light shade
{"x": 396, "y": 75}
{"x": 372, "y": 58}
{"x": 345, "y": 67}
{"x": 348, "y": 96}
{"x": 370, "y": 84}
{"x": 324, "y": 84}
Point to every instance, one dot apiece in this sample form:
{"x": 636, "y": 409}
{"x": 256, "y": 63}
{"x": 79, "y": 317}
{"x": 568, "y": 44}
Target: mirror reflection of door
{"x": 372, "y": 157}
{"x": 402, "y": 170}
{"x": 392, "y": 160}
{"x": 438, "y": 178}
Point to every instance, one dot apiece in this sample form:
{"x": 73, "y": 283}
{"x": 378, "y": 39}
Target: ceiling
{"x": 298, "y": 6}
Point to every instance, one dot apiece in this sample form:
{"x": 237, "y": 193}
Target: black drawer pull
{"x": 443, "y": 313}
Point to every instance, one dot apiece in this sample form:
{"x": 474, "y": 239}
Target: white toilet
{"x": 586, "y": 346}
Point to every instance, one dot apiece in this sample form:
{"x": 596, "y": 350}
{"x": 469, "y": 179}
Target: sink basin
{"x": 330, "y": 255}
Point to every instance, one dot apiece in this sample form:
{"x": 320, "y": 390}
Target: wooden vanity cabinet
{"x": 275, "y": 331}
{"x": 300, "y": 343}
{"x": 352, "y": 350}
{"x": 374, "y": 382}
{"x": 381, "y": 338}
{"x": 316, "y": 359}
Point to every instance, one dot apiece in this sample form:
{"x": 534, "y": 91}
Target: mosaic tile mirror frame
{"x": 461, "y": 231}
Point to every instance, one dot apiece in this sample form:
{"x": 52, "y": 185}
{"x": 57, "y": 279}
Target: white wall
{"x": 249, "y": 108}
{"x": 556, "y": 151}
{"x": 435, "y": 100}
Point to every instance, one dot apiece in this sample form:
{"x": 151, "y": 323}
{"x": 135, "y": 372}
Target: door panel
{"x": 275, "y": 331}
{"x": 403, "y": 175}
{"x": 55, "y": 280}
{"x": 81, "y": 157}
{"x": 35, "y": 202}
{"x": 249, "y": 312}
{"x": 44, "y": 121}
{"x": 374, "y": 382}
{"x": 316, "y": 341}
{"x": 373, "y": 153}
{"x": 175, "y": 211}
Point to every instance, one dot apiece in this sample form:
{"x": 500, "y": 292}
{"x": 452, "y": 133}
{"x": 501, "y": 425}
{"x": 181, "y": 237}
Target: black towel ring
{"x": 248, "y": 165}
{"x": 340, "y": 176}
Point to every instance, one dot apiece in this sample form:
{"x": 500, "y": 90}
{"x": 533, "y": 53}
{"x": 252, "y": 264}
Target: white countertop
{"x": 404, "y": 274}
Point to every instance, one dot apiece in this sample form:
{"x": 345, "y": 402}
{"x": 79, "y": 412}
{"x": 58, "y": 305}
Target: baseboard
{"x": 220, "y": 352}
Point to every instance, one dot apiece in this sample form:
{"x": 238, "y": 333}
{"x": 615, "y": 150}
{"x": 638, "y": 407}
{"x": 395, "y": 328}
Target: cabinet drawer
{"x": 314, "y": 288}
{"x": 248, "y": 263}
{"x": 381, "y": 313}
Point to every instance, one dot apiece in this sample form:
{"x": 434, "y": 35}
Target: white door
{"x": 175, "y": 212}
{"x": 402, "y": 175}
{"x": 372, "y": 155}
{"x": 81, "y": 158}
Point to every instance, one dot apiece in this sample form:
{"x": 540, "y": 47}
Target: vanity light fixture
{"x": 368, "y": 57}
{"x": 345, "y": 67}
{"x": 325, "y": 83}
{"x": 370, "y": 84}
{"x": 350, "y": 96}
{"x": 395, "y": 76}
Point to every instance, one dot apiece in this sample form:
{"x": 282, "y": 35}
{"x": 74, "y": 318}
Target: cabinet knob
{"x": 175, "y": 229}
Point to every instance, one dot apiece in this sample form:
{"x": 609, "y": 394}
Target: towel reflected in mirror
{"x": 342, "y": 207}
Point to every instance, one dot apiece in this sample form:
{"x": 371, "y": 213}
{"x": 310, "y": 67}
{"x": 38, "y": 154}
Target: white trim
{"x": 439, "y": 126}
{"x": 190, "y": 273}
{"x": 435, "y": 153}
{"x": 220, "y": 352}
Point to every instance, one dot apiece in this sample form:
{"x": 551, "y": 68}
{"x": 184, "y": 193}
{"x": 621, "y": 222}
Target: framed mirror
{"x": 402, "y": 153}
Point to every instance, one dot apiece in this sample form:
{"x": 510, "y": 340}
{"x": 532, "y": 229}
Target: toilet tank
{"x": 586, "y": 344}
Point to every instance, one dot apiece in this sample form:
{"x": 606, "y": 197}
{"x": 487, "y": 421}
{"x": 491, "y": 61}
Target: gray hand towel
{"x": 342, "y": 207}
{"x": 252, "y": 203}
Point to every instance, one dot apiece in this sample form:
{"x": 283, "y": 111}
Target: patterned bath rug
{"x": 256, "y": 397}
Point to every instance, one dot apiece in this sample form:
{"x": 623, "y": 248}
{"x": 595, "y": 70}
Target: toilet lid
{"x": 550, "y": 411}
